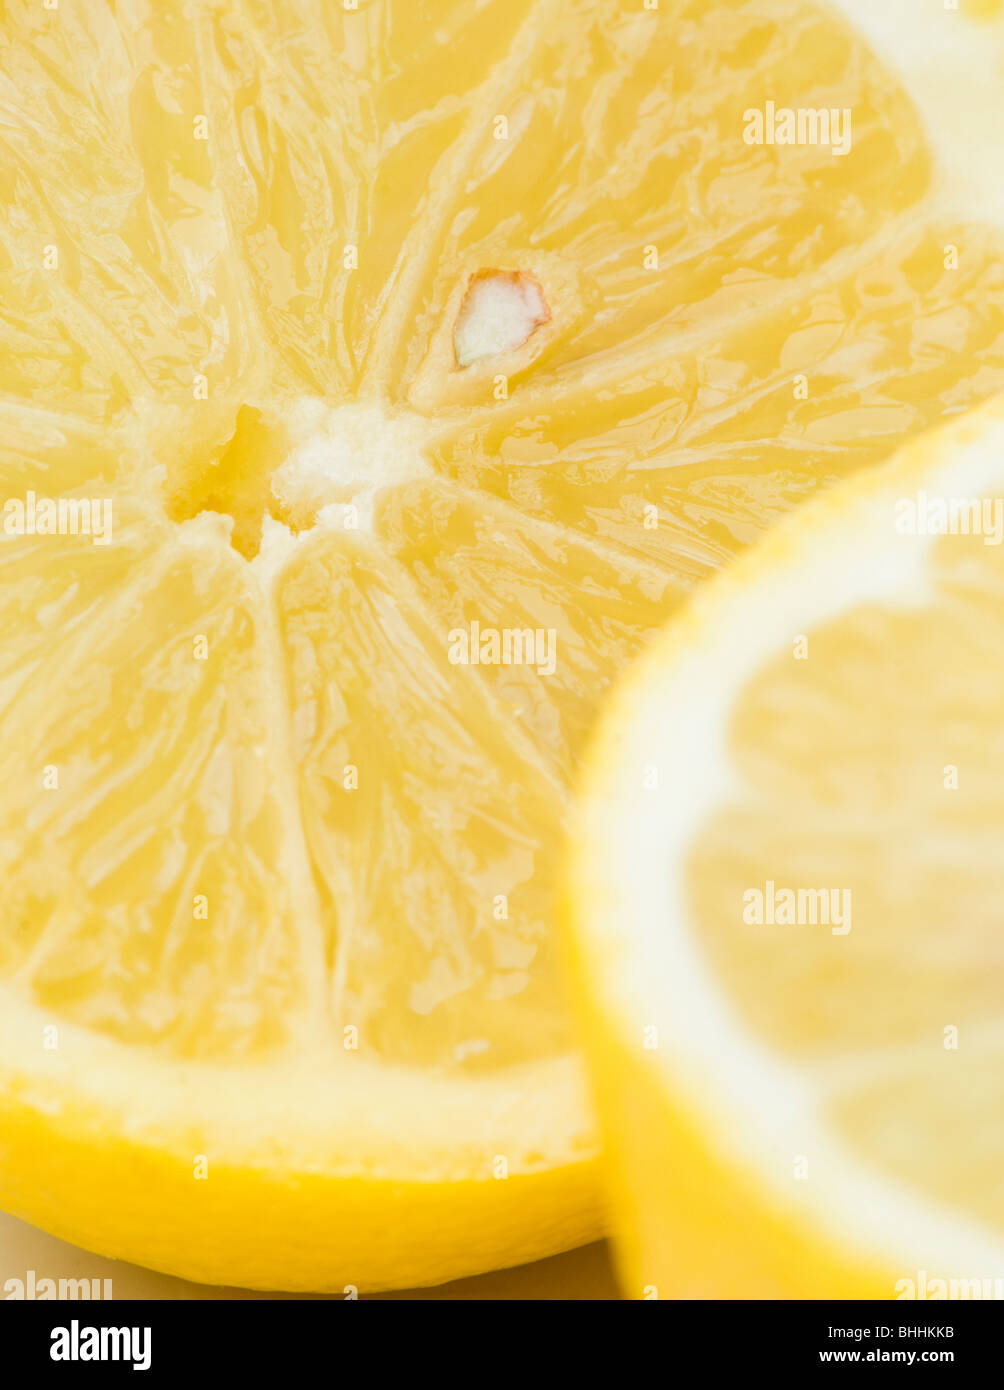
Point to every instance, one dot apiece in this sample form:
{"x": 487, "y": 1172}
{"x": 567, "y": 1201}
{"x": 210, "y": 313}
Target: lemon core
{"x": 345, "y": 455}
{"x": 303, "y": 463}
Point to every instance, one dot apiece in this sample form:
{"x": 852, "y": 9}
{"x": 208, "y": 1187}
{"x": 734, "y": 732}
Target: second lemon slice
{"x": 787, "y": 893}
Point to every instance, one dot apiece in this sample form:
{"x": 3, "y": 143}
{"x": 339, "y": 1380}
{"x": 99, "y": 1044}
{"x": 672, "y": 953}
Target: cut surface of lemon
{"x": 392, "y": 338}
{"x": 787, "y": 892}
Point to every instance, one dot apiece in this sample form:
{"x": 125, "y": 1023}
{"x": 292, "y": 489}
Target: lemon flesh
{"x": 280, "y": 874}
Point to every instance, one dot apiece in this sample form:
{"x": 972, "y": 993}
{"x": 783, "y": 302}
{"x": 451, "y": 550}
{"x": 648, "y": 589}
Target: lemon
{"x": 787, "y": 890}
{"x": 404, "y": 365}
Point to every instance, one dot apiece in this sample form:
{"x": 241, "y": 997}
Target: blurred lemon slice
{"x": 786, "y": 894}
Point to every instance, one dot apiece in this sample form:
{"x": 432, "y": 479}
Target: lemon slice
{"x": 418, "y": 358}
{"x": 786, "y": 889}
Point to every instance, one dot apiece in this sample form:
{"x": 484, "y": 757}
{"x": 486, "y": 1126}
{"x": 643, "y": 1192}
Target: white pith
{"x": 340, "y": 1115}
